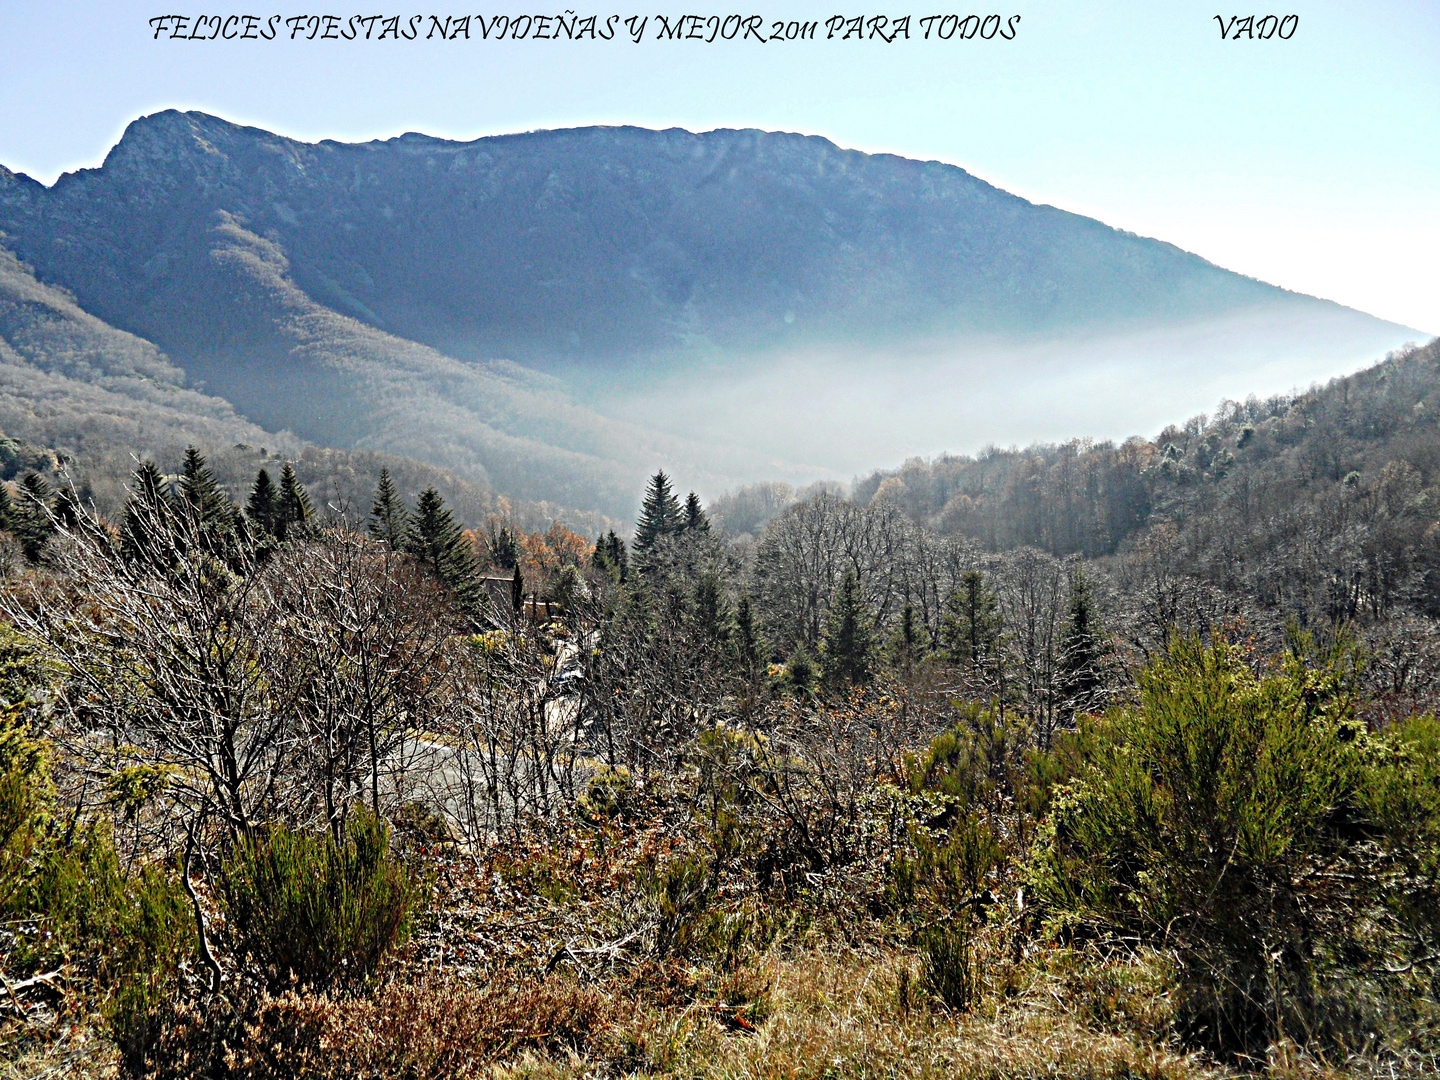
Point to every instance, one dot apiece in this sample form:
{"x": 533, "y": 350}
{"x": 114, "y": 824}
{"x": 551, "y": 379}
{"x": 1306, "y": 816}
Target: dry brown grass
{"x": 816, "y": 1011}
{"x": 71, "y": 1050}
{"x": 842, "y": 1015}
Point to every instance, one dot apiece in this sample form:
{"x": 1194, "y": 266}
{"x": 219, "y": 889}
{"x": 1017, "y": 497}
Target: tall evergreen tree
{"x": 970, "y": 629}
{"x": 712, "y": 616}
{"x": 610, "y": 555}
{"x": 908, "y": 644}
{"x": 293, "y": 504}
{"x": 5, "y": 507}
{"x": 67, "y": 508}
{"x": 1081, "y": 674}
{"x": 200, "y": 490}
{"x": 30, "y": 520}
{"x": 693, "y": 517}
{"x": 436, "y": 539}
{"x": 659, "y": 513}
{"x": 749, "y": 645}
{"x": 263, "y": 506}
{"x": 848, "y": 641}
{"x": 502, "y": 547}
{"x": 388, "y": 516}
{"x": 147, "y": 509}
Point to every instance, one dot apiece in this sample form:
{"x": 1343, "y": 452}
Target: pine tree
{"x": 388, "y": 516}
{"x": 800, "y": 671}
{"x": 712, "y": 617}
{"x": 694, "y": 519}
{"x": 5, "y": 507}
{"x": 502, "y": 547}
{"x": 200, "y": 490}
{"x": 659, "y": 513}
{"x": 1081, "y": 674}
{"x": 263, "y": 506}
{"x": 439, "y": 543}
{"x": 848, "y": 642}
{"x": 30, "y": 520}
{"x": 749, "y": 645}
{"x": 147, "y": 508}
{"x": 293, "y": 505}
{"x": 610, "y": 555}
{"x": 67, "y": 508}
{"x": 971, "y": 627}
{"x": 908, "y": 644}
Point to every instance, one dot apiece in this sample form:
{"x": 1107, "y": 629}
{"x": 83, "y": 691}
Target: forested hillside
{"x": 1321, "y": 503}
{"x": 68, "y": 379}
{"x": 80, "y": 397}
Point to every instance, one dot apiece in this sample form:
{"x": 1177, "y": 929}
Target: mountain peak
{"x": 296, "y": 278}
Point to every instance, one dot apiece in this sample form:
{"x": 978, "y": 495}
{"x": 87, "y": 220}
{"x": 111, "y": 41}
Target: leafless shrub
{"x": 511, "y": 739}
{"x": 427, "y": 1030}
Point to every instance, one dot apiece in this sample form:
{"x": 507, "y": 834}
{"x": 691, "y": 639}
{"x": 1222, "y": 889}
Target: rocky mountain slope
{"x": 502, "y": 307}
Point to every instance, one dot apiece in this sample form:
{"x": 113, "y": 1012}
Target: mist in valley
{"x": 832, "y": 413}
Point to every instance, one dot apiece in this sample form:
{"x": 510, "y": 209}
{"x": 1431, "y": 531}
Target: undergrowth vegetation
{"x": 296, "y": 807}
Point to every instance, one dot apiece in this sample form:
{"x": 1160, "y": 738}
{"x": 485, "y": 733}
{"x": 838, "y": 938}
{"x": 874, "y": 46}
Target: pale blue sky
{"x": 1312, "y": 163}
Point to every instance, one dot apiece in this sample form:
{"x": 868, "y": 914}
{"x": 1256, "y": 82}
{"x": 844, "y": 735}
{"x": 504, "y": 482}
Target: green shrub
{"x": 144, "y": 927}
{"x": 974, "y": 762}
{"x": 609, "y": 795}
{"x": 948, "y": 966}
{"x": 1403, "y": 798}
{"x": 24, "y": 809}
{"x": 69, "y": 901}
{"x": 681, "y": 894}
{"x": 1224, "y": 819}
{"x": 303, "y": 907}
{"x": 969, "y": 774}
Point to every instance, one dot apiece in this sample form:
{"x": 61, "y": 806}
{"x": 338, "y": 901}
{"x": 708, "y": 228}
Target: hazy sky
{"x": 1313, "y": 163}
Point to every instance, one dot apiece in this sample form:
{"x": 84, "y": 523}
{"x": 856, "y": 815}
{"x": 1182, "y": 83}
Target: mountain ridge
{"x": 499, "y": 306}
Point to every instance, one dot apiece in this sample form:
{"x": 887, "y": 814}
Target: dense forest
{"x": 1081, "y": 761}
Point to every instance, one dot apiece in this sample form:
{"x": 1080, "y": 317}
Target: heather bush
{"x": 1243, "y": 821}
{"x": 69, "y": 903}
{"x": 304, "y": 908}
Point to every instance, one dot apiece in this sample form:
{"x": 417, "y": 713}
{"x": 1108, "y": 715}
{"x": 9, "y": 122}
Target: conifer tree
{"x": 694, "y": 519}
{"x": 263, "y": 506}
{"x": 712, "y": 617}
{"x": 749, "y": 645}
{"x": 971, "y": 633}
{"x": 1081, "y": 651}
{"x": 800, "y": 671}
{"x": 610, "y": 555}
{"x": 908, "y": 644}
{"x": 847, "y": 643}
{"x": 659, "y": 513}
{"x": 67, "y": 508}
{"x": 439, "y": 543}
{"x": 30, "y": 520}
{"x": 970, "y": 625}
{"x": 388, "y": 516}
{"x": 147, "y": 506}
{"x": 502, "y": 547}
{"x": 5, "y": 507}
{"x": 200, "y": 490}
{"x": 293, "y": 505}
